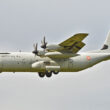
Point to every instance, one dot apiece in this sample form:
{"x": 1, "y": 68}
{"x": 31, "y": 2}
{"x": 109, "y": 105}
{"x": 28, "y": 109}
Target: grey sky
{"x": 24, "y": 22}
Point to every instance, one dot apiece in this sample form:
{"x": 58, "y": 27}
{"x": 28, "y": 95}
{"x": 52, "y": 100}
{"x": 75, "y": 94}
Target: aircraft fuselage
{"x": 23, "y": 62}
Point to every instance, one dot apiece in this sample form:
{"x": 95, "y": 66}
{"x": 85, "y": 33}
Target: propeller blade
{"x": 35, "y": 48}
{"x": 44, "y": 40}
{"x": 44, "y": 43}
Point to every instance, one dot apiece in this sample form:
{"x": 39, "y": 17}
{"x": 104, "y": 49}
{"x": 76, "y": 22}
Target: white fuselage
{"x": 23, "y": 62}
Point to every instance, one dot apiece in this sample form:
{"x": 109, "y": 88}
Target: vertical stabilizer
{"x": 107, "y": 42}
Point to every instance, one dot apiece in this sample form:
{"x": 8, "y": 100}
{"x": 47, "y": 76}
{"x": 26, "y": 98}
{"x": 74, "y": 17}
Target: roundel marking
{"x": 88, "y": 58}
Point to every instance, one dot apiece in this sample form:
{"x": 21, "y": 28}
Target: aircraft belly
{"x": 15, "y": 66}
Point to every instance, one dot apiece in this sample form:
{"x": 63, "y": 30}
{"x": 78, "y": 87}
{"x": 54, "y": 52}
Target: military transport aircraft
{"x": 55, "y": 58}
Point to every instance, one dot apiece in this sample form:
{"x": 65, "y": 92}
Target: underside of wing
{"x": 74, "y": 44}
{"x": 60, "y": 54}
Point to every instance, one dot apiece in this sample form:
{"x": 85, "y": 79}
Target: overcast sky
{"x": 24, "y": 22}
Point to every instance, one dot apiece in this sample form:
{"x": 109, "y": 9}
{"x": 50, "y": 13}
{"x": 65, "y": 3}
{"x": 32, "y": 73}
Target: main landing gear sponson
{"x": 48, "y": 74}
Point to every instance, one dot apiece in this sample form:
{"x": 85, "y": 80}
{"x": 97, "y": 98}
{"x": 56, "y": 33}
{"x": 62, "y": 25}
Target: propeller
{"x": 35, "y": 49}
{"x": 44, "y": 43}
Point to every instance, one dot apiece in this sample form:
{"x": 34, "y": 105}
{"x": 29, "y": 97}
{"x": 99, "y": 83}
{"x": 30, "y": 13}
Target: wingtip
{"x": 83, "y": 34}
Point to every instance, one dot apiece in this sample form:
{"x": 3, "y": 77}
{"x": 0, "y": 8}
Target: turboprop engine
{"x": 50, "y": 48}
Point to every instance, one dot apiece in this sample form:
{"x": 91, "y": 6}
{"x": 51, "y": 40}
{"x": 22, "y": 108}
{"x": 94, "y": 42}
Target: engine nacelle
{"x": 53, "y": 47}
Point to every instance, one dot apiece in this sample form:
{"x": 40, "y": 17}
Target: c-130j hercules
{"x": 63, "y": 57}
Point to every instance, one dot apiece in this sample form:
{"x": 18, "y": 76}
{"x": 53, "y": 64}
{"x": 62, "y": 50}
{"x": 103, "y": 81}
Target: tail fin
{"x": 107, "y": 43}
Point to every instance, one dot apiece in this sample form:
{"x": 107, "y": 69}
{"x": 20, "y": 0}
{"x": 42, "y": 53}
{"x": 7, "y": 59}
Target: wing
{"x": 74, "y": 44}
